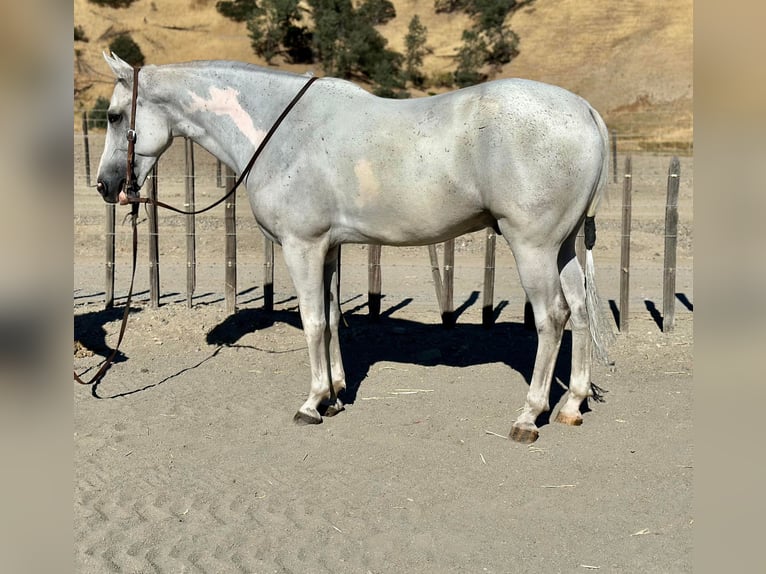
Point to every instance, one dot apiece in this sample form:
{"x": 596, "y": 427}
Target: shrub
{"x": 113, "y": 3}
{"x": 376, "y": 12}
{"x": 237, "y": 10}
{"x": 79, "y": 34}
{"x": 442, "y": 80}
{"x": 126, "y": 48}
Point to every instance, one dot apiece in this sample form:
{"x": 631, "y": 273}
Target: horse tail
{"x": 600, "y": 330}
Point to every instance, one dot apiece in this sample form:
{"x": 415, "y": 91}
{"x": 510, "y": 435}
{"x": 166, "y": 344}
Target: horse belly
{"x": 402, "y": 201}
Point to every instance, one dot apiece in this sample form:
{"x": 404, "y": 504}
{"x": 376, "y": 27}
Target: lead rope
{"x": 248, "y": 167}
{"x": 134, "y": 201}
{"x": 129, "y": 184}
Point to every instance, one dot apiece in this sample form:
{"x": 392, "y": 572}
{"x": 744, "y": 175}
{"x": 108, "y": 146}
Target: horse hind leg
{"x": 573, "y": 286}
{"x": 540, "y": 278}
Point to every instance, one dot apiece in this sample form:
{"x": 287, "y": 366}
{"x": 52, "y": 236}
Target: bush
{"x": 113, "y": 3}
{"x": 79, "y": 34}
{"x": 442, "y": 80}
{"x": 376, "y": 12}
{"x": 124, "y": 46}
{"x": 237, "y": 10}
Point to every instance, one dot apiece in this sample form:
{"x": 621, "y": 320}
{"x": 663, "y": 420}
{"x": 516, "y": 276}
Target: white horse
{"x": 527, "y": 158}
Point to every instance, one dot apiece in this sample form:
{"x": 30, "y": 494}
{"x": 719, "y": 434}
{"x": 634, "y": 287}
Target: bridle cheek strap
{"x": 131, "y": 188}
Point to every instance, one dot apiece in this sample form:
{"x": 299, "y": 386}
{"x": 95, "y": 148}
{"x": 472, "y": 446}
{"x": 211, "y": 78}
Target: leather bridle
{"x": 131, "y": 191}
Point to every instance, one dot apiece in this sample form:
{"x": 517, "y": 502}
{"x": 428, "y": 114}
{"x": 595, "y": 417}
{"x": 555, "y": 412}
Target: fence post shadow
{"x": 684, "y": 300}
{"x": 654, "y": 312}
{"x": 615, "y": 311}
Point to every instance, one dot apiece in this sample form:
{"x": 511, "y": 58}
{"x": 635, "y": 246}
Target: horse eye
{"x": 113, "y": 118}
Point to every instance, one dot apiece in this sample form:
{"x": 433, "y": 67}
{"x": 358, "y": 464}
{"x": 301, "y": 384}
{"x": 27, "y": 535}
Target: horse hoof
{"x": 302, "y": 418}
{"x": 524, "y": 433}
{"x": 571, "y": 420}
{"x": 334, "y": 409}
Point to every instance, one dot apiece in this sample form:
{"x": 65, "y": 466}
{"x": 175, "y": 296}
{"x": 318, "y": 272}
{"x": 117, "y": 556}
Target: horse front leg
{"x": 306, "y": 264}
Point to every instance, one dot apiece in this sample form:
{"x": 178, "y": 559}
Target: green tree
{"x": 376, "y": 12}
{"x": 274, "y": 30}
{"x": 349, "y": 46}
{"x": 470, "y": 58}
{"x": 415, "y": 50}
{"x": 237, "y": 10}
{"x": 332, "y": 19}
{"x": 127, "y": 49}
{"x": 489, "y": 41}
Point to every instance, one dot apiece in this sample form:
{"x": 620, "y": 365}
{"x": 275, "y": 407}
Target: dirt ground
{"x": 187, "y": 460}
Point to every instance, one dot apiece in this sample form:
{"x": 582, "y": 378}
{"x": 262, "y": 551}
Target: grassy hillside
{"x": 631, "y": 60}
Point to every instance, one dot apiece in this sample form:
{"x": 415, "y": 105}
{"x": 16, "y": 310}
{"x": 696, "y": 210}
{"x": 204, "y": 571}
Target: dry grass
{"x": 631, "y": 60}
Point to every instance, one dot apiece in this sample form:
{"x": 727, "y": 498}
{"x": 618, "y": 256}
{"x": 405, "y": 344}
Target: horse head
{"x": 153, "y": 132}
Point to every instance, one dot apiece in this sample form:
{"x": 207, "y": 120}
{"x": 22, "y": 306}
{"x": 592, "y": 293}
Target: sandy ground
{"x": 187, "y": 460}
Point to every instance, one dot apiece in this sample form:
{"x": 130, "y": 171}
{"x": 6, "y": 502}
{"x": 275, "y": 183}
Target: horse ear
{"x": 121, "y": 69}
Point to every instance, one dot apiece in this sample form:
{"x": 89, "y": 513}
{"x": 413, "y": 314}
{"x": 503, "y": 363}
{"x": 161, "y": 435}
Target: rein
{"x": 134, "y": 200}
{"x": 248, "y": 167}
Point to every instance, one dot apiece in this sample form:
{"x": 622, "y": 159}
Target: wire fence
{"x": 189, "y": 176}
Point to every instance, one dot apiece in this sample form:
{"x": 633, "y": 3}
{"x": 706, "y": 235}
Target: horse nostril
{"x": 101, "y": 187}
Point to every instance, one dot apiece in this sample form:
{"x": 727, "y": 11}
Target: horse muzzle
{"x": 117, "y": 192}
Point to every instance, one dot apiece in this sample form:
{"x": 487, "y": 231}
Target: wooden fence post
{"x": 86, "y": 145}
{"x": 625, "y": 248}
{"x": 268, "y": 274}
{"x": 230, "y": 224}
{"x": 218, "y": 179}
{"x": 191, "y": 250}
{"x": 154, "y": 248}
{"x": 444, "y": 286}
{"x": 614, "y": 155}
{"x": 109, "y": 267}
{"x": 488, "y": 308}
{"x": 374, "y": 281}
{"x": 437, "y": 276}
{"x": 671, "y": 241}
{"x": 448, "y": 312}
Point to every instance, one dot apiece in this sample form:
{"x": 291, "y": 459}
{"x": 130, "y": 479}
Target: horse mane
{"x": 230, "y": 65}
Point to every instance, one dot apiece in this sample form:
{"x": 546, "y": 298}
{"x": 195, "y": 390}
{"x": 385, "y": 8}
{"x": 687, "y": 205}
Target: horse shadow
{"x": 365, "y": 342}
{"x": 90, "y": 332}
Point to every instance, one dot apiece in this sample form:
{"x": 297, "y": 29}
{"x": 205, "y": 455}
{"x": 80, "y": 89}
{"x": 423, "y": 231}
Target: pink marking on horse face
{"x": 225, "y": 102}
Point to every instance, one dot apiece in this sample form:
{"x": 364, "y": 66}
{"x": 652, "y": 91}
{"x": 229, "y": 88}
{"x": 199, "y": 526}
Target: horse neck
{"x": 228, "y": 109}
